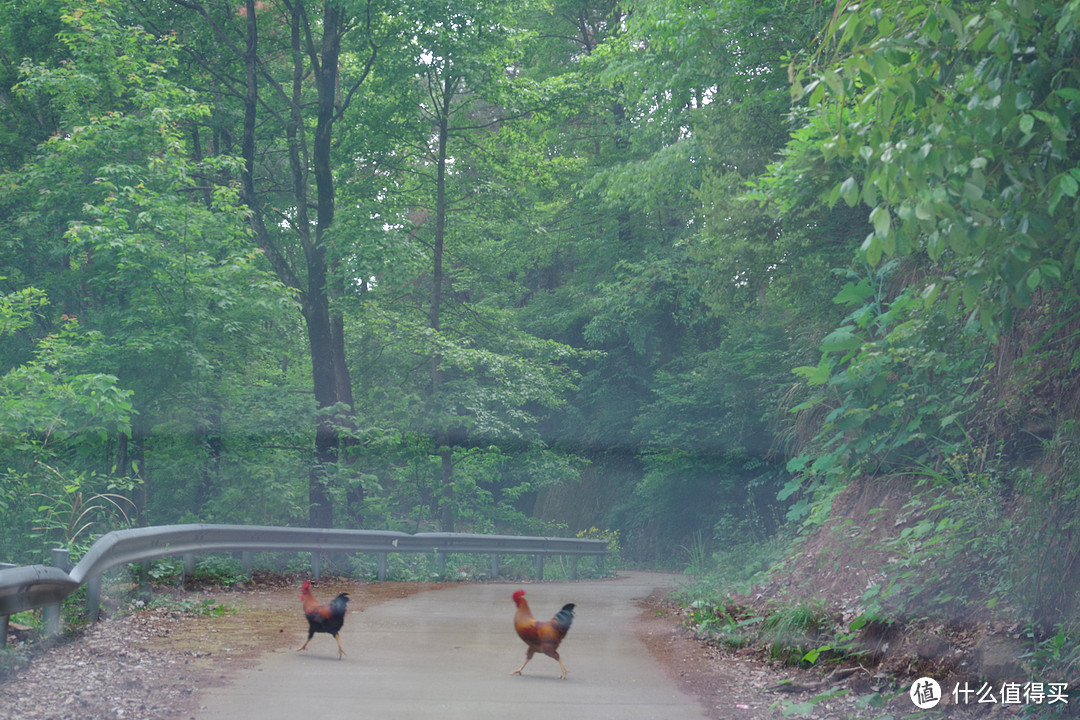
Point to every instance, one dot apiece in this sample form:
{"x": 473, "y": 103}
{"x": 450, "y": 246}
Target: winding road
{"x": 448, "y": 653}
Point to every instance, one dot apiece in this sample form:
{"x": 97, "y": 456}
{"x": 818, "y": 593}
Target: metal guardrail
{"x": 40, "y": 586}
{"x": 33, "y": 586}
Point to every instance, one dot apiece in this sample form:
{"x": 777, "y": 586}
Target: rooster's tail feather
{"x": 339, "y": 605}
{"x": 564, "y": 618}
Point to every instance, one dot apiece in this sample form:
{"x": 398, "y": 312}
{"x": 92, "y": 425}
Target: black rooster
{"x": 323, "y": 618}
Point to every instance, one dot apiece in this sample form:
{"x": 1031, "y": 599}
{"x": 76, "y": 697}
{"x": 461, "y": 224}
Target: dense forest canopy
{"x": 684, "y": 271}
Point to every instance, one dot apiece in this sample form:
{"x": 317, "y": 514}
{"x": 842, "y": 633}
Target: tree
{"x": 952, "y": 124}
{"x": 264, "y": 83}
{"x": 962, "y": 155}
{"x": 51, "y": 418}
{"x": 28, "y": 31}
{"x": 683, "y": 279}
{"x": 484, "y": 378}
{"x": 134, "y": 245}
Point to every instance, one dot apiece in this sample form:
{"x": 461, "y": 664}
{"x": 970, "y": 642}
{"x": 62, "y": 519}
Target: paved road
{"x": 446, "y": 654}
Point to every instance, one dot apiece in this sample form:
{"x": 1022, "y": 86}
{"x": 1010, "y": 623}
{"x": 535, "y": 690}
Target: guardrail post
{"x": 188, "y": 573}
{"x": 51, "y": 613}
{"x": 440, "y": 562}
{"x": 60, "y": 559}
{"x": 145, "y": 591}
{"x": 316, "y": 566}
{"x": 93, "y": 597}
{"x": 382, "y": 558}
{"x": 494, "y": 566}
{"x": 4, "y": 618}
{"x": 573, "y": 567}
{"x": 539, "y": 566}
{"x": 245, "y": 563}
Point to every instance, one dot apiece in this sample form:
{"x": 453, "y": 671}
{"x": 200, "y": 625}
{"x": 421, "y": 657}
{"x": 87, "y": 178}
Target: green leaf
{"x": 958, "y": 239}
{"x": 972, "y": 287}
{"x": 816, "y": 375}
{"x": 872, "y": 248}
{"x": 972, "y": 191}
{"x": 849, "y": 191}
{"x": 878, "y": 385}
{"x": 835, "y": 83}
{"x": 1061, "y": 186}
{"x": 881, "y": 220}
{"x": 795, "y": 465}
{"x": 929, "y": 294}
{"x": 841, "y": 339}
{"x": 1068, "y": 93}
{"x": 954, "y": 20}
{"x": 853, "y": 294}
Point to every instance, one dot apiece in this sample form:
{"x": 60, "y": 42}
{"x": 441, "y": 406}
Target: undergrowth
{"x": 977, "y": 538}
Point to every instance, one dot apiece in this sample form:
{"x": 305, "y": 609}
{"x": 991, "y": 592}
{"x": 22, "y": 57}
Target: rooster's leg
{"x": 528, "y": 657}
{"x": 305, "y": 643}
{"x": 563, "y": 676}
{"x": 340, "y": 651}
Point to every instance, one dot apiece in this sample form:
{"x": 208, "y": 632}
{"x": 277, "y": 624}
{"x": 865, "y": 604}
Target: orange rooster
{"x": 323, "y": 618}
{"x": 541, "y": 636}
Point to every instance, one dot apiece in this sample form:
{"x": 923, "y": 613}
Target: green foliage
{"x": 1043, "y": 537}
{"x": 18, "y": 309}
{"x": 1055, "y": 658}
{"x": 640, "y": 241}
{"x": 953, "y": 550}
{"x": 412, "y": 568}
{"x": 139, "y": 240}
{"x": 615, "y": 548}
{"x": 791, "y": 631}
{"x": 714, "y": 576}
{"x": 164, "y": 569}
{"x": 27, "y": 31}
{"x": 220, "y": 571}
{"x": 51, "y": 419}
{"x": 46, "y": 404}
{"x": 71, "y": 515}
{"x": 721, "y": 499}
{"x": 211, "y": 570}
{"x": 697, "y": 556}
{"x": 711, "y": 619}
{"x": 960, "y": 160}
{"x": 896, "y": 382}
{"x": 1052, "y": 658}
{"x": 961, "y": 153}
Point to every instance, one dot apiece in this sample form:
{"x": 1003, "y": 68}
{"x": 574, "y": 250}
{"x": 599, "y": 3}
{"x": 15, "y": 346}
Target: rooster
{"x": 541, "y": 636}
{"x": 323, "y": 618}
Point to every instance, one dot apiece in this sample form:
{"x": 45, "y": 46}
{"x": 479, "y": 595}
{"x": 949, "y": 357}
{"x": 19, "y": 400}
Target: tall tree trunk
{"x": 324, "y": 344}
{"x": 442, "y": 434}
{"x": 314, "y": 48}
{"x": 207, "y": 440}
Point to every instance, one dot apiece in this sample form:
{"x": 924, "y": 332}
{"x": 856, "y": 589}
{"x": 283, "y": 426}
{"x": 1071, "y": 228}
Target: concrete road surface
{"x": 447, "y": 654}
